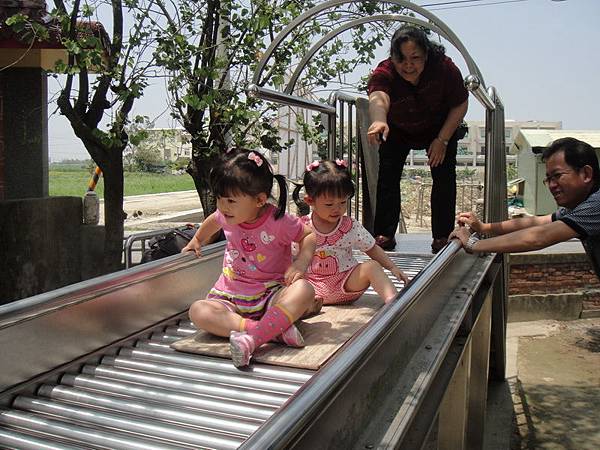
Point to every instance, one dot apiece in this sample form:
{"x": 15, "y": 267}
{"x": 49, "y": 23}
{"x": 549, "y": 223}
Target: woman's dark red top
{"x": 418, "y": 112}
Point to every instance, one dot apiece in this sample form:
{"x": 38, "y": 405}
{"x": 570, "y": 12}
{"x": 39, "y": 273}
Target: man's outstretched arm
{"x": 527, "y": 239}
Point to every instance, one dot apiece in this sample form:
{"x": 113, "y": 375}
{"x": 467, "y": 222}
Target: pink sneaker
{"x": 241, "y": 346}
{"x": 291, "y": 337}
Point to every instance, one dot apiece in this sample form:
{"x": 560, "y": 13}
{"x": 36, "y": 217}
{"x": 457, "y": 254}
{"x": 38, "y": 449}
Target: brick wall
{"x": 551, "y": 278}
{"x": 554, "y": 274}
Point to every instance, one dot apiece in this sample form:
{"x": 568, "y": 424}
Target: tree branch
{"x": 99, "y": 102}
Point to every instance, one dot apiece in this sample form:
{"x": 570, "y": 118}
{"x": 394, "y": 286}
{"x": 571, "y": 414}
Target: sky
{"x": 541, "y": 56}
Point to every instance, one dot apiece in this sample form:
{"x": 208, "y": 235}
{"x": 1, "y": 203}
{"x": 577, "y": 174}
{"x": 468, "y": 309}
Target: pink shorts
{"x": 331, "y": 288}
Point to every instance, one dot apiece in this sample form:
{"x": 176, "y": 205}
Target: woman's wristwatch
{"x": 443, "y": 141}
{"x": 471, "y": 242}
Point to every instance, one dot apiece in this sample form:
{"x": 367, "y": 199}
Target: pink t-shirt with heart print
{"x": 257, "y": 254}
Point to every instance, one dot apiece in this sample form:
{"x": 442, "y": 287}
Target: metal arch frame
{"x": 383, "y": 17}
{"x": 435, "y": 25}
{"x": 474, "y": 82}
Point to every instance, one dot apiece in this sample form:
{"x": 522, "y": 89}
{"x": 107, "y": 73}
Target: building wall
{"x": 474, "y": 141}
{"x": 171, "y": 143}
{"x": 471, "y": 149}
{"x": 292, "y": 163}
{"x": 24, "y": 136}
{"x": 2, "y": 163}
{"x": 46, "y": 246}
{"x": 41, "y": 240}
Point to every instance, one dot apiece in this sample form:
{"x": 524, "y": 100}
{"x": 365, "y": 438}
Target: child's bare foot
{"x": 314, "y": 309}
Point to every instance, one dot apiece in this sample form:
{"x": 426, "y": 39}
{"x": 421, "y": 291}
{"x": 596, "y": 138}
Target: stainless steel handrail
{"x": 25, "y": 309}
{"x": 288, "y": 100}
{"x": 142, "y": 236}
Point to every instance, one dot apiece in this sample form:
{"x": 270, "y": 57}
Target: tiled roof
{"x": 36, "y": 10}
{"x": 540, "y": 139}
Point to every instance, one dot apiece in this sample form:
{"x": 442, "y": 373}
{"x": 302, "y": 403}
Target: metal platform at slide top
{"x": 89, "y": 366}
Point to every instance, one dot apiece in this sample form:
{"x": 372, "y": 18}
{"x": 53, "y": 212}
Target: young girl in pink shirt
{"x": 334, "y": 272}
{"x": 261, "y": 292}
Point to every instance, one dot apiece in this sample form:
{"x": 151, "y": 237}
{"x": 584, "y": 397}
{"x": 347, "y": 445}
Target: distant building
{"x": 528, "y": 145}
{"x": 292, "y": 162}
{"x": 171, "y": 143}
{"x": 471, "y": 149}
{"x": 474, "y": 141}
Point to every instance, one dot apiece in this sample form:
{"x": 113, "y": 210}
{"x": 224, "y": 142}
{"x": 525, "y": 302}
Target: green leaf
{"x": 193, "y": 101}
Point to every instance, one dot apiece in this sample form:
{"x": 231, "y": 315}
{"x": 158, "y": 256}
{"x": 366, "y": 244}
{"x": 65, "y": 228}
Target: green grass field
{"x": 72, "y": 180}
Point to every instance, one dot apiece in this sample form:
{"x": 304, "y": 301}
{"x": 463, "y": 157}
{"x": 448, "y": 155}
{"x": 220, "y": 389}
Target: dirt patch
{"x": 590, "y": 341}
{"x": 558, "y": 388}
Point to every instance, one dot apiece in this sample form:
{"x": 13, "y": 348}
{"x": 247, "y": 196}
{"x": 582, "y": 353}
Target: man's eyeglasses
{"x": 555, "y": 177}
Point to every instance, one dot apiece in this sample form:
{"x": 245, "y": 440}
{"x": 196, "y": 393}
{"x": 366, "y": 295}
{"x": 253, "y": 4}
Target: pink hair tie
{"x": 341, "y": 163}
{"x": 312, "y": 165}
{"x": 254, "y": 157}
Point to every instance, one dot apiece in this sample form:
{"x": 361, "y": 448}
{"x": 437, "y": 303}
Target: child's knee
{"x": 308, "y": 290}
{"x": 198, "y": 311}
{"x": 371, "y": 267}
{"x": 304, "y": 290}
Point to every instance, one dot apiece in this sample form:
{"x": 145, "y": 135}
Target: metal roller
{"x": 150, "y": 410}
{"x": 181, "y": 330}
{"x": 172, "y": 433}
{"x": 47, "y": 427}
{"x": 168, "y": 337}
{"x": 15, "y": 440}
{"x": 203, "y": 376}
{"x": 245, "y": 395}
{"x": 186, "y": 323}
{"x": 159, "y": 341}
{"x": 166, "y": 396}
{"x": 218, "y": 364}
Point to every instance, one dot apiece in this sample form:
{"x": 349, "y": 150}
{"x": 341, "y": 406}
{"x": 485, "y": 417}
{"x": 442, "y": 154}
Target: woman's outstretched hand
{"x": 377, "y": 132}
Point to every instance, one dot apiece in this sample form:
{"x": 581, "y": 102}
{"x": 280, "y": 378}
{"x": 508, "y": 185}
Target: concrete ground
{"x": 551, "y": 398}
{"x": 159, "y": 211}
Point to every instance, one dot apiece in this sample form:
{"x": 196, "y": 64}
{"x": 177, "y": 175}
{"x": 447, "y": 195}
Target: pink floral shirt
{"x": 334, "y": 250}
{"x": 258, "y": 254}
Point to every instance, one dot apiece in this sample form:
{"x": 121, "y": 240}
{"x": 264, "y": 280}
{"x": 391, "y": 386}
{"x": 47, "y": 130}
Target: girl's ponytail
{"x": 282, "y": 201}
{"x": 303, "y": 208}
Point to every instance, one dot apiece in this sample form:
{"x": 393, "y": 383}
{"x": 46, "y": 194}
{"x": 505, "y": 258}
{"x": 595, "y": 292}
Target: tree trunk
{"x": 199, "y": 168}
{"x": 113, "y": 210}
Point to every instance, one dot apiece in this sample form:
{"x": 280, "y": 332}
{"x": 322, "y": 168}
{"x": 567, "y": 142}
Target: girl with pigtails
{"x": 260, "y": 292}
{"x": 335, "y": 274}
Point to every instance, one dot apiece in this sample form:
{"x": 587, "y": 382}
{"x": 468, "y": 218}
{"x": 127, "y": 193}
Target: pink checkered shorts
{"x": 331, "y": 288}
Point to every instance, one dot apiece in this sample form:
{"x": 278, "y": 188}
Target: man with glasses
{"x": 573, "y": 177}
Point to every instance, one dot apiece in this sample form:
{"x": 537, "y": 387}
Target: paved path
{"x": 157, "y": 211}
{"x": 551, "y": 399}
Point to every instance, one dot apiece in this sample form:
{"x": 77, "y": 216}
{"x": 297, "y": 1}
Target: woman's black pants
{"x": 443, "y": 192}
